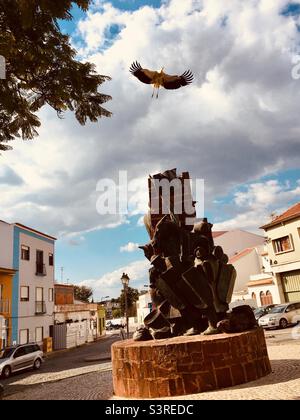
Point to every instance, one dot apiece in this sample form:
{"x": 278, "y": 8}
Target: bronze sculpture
{"x": 191, "y": 281}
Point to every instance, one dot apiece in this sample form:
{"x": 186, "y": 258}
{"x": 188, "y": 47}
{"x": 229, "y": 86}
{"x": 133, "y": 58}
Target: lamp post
{"x": 125, "y": 282}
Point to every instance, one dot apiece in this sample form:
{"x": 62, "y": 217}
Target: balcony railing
{"x": 40, "y": 269}
{"x": 40, "y": 308}
{"x": 4, "y": 306}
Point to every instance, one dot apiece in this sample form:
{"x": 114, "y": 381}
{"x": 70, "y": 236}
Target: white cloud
{"x": 130, "y": 247}
{"x": 110, "y": 283}
{"x": 237, "y": 121}
{"x": 255, "y": 205}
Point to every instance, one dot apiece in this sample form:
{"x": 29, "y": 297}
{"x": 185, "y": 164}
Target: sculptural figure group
{"x": 191, "y": 281}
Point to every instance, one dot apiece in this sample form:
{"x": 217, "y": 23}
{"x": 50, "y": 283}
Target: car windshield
{"x": 259, "y": 311}
{"x": 277, "y": 309}
{"x": 5, "y": 354}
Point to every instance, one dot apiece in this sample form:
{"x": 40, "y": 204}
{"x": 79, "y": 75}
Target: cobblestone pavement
{"x": 282, "y": 384}
{"x": 94, "y": 381}
{"x": 62, "y": 366}
{"x": 91, "y": 386}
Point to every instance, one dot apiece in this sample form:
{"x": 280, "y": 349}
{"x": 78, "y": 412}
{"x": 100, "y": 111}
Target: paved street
{"x": 80, "y": 374}
{"x": 63, "y": 371}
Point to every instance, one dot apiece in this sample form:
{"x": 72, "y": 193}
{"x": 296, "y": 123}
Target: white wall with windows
{"x": 36, "y": 283}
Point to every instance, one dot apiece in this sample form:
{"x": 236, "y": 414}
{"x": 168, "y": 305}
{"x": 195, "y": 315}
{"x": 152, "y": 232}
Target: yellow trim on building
{"x": 6, "y": 285}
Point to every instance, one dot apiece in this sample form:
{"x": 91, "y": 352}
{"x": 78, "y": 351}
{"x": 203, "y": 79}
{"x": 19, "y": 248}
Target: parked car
{"x": 281, "y": 316}
{"x": 263, "y": 310}
{"x": 17, "y": 358}
{"x": 114, "y": 324}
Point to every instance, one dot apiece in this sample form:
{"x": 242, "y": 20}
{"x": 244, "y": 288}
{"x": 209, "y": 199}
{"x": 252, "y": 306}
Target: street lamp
{"x": 125, "y": 282}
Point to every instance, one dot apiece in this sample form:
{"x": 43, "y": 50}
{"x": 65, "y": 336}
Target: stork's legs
{"x": 157, "y": 90}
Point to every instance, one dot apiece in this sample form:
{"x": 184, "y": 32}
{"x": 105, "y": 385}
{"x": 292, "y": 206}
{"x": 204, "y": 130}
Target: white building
{"x": 246, "y": 263}
{"x": 31, "y": 255}
{"x": 75, "y": 322}
{"x": 235, "y": 241}
{"x": 144, "y": 307}
{"x": 280, "y": 281}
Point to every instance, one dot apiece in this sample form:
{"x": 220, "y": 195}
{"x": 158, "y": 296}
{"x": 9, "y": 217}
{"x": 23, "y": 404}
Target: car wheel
{"x": 6, "y": 372}
{"x": 283, "y": 323}
{"x": 37, "y": 364}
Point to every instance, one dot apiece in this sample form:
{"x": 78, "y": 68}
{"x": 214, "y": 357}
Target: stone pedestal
{"x": 188, "y": 365}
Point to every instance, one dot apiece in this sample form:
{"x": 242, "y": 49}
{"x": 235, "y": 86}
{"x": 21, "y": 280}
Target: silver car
{"x": 17, "y": 358}
{"x": 281, "y": 316}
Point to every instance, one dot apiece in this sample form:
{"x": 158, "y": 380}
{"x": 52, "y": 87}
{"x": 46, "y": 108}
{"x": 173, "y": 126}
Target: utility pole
{"x": 62, "y": 274}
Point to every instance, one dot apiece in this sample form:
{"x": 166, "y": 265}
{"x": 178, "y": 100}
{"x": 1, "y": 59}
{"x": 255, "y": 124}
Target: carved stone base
{"x": 188, "y": 365}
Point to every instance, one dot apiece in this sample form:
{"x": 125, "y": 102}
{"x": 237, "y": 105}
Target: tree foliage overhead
{"x": 41, "y": 68}
{"x": 83, "y": 293}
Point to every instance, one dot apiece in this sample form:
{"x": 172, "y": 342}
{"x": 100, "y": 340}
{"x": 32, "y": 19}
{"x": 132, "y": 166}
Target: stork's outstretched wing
{"x": 144, "y": 75}
{"x": 175, "y": 82}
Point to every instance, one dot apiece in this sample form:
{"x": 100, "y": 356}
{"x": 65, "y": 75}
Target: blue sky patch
{"x": 292, "y": 9}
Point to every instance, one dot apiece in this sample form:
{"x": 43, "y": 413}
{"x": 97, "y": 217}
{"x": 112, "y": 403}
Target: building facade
{"x": 6, "y": 282}
{"x": 283, "y": 249}
{"x": 235, "y": 241}
{"x": 143, "y": 307}
{"x": 75, "y": 322}
{"x": 27, "y": 266}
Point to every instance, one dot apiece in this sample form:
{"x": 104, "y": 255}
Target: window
{"x": 51, "y": 295}
{"x": 24, "y": 336}
{"x": 266, "y": 299}
{"x": 253, "y": 296}
{"x": 24, "y": 294}
{"x": 40, "y": 266}
{"x": 39, "y": 334}
{"x": 283, "y": 244}
{"x": 269, "y": 298}
{"x": 51, "y": 259}
{"x": 30, "y": 349}
{"x": 25, "y": 253}
{"x": 20, "y": 352}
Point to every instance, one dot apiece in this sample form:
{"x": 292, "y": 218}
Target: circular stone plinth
{"x": 188, "y": 365}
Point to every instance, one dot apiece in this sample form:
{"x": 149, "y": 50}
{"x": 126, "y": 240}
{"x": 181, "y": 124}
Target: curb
{"x": 98, "y": 359}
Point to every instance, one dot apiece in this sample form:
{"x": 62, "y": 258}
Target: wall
{"x": 246, "y": 266}
{"x": 27, "y": 277}
{"x": 143, "y": 308}
{"x": 6, "y": 282}
{"x": 270, "y": 287}
{"x": 79, "y": 314}
{"x": 64, "y": 294}
{"x": 235, "y": 241}
{"x": 275, "y": 232}
{"x": 101, "y": 320}
{"x": 6, "y": 245}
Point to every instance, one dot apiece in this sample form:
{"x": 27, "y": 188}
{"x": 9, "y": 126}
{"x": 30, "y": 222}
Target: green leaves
{"x": 42, "y": 69}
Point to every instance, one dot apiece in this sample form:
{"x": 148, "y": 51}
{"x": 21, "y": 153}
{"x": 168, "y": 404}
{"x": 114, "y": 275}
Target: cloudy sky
{"x": 237, "y": 127}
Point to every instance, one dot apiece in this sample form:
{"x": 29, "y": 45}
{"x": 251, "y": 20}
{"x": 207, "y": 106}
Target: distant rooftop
{"x": 241, "y": 254}
{"x": 290, "y": 214}
{"x": 35, "y": 231}
{"x": 218, "y": 233}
